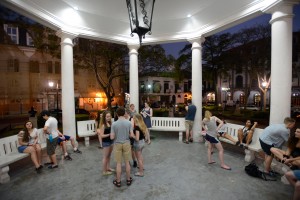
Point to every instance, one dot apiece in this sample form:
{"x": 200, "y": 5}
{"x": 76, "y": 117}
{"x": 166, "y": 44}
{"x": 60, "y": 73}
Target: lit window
{"x": 12, "y": 32}
{"x": 29, "y": 41}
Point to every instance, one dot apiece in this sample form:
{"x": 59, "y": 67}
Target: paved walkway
{"x": 173, "y": 170}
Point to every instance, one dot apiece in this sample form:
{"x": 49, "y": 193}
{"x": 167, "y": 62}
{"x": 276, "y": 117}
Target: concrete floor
{"x": 173, "y": 170}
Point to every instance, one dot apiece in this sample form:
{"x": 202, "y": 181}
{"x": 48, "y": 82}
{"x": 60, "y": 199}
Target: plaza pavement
{"x": 173, "y": 171}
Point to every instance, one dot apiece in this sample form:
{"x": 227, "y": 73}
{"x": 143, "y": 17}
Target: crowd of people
{"x": 127, "y": 135}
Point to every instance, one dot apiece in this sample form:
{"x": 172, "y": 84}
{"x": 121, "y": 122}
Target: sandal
{"x": 116, "y": 183}
{"x": 129, "y": 181}
{"x": 139, "y": 174}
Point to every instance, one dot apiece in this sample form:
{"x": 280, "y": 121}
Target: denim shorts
{"x": 22, "y": 148}
{"x": 138, "y": 145}
{"x": 106, "y": 144}
{"x": 67, "y": 138}
{"x": 297, "y": 174}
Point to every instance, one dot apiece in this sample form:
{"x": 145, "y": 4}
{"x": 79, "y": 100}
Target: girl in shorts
{"x": 29, "y": 143}
{"x": 140, "y": 131}
{"x": 209, "y": 124}
{"x": 104, "y": 130}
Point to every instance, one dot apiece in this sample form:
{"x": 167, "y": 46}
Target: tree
{"x": 107, "y": 60}
{"x": 153, "y": 60}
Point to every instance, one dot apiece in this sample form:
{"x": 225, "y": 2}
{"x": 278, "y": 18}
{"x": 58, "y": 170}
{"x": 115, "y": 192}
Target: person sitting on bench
{"x": 245, "y": 134}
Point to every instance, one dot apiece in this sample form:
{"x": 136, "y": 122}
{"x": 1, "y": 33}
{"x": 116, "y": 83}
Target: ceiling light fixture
{"x": 140, "y": 17}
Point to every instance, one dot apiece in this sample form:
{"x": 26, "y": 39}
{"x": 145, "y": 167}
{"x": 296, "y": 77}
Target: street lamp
{"x": 51, "y": 84}
{"x": 263, "y": 85}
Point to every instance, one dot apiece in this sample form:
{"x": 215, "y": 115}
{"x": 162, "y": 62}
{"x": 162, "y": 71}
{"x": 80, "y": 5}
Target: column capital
{"x": 285, "y": 7}
{"x": 133, "y": 48}
{"x": 196, "y": 42}
{"x": 66, "y": 34}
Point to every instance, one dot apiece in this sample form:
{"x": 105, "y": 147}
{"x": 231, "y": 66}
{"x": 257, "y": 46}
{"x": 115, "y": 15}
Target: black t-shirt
{"x": 142, "y": 135}
{"x": 106, "y": 131}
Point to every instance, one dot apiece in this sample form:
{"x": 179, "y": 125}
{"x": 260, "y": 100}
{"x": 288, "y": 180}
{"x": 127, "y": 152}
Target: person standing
{"x": 105, "y": 130}
{"x": 189, "y": 121}
{"x": 147, "y": 113}
{"x": 274, "y": 135}
{"x": 140, "y": 131}
{"x": 132, "y": 110}
{"x": 209, "y": 124}
{"x": 120, "y": 131}
{"x": 130, "y": 118}
{"x": 52, "y": 132}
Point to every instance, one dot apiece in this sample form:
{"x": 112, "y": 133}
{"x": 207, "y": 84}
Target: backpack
{"x": 252, "y": 170}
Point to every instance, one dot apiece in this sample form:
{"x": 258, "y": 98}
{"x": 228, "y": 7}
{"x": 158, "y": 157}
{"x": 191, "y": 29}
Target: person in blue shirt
{"x": 274, "y": 135}
{"x": 189, "y": 121}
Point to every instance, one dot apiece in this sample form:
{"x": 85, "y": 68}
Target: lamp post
{"x": 140, "y": 16}
{"x": 263, "y": 85}
{"x": 51, "y": 84}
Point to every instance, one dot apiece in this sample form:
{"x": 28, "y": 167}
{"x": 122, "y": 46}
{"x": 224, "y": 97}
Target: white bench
{"x": 232, "y": 129}
{"x": 86, "y": 129}
{"x": 9, "y": 153}
{"x": 168, "y": 124}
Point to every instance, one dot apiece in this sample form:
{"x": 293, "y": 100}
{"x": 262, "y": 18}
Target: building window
{"x": 50, "y": 67}
{"x": 239, "y": 81}
{"x": 29, "y": 40}
{"x": 13, "y": 65}
{"x": 12, "y": 32}
{"x": 142, "y": 89}
{"x": 57, "y": 68}
{"x": 34, "y": 67}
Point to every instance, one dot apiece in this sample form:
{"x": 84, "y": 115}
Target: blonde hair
{"x": 139, "y": 121}
{"x": 207, "y": 115}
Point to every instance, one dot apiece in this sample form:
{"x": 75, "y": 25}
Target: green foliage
{"x": 162, "y": 112}
{"x": 261, "y": 115}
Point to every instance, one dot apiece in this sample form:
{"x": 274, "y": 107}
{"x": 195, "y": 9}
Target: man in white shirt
{"x": 52, "y": 132}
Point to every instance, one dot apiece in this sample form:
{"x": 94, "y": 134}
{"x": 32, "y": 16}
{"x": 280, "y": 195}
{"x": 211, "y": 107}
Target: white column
{"x": 134, "y": 75}
{"x": 67, "y": 83}
{"x": 197, "y": 84}
{"x": 281, "y": 62}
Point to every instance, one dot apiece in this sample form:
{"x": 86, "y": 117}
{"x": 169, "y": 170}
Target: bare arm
{"x": 220, "y": 123}
{"x": 254, "y": 126}
{"x": 151, "y": 112}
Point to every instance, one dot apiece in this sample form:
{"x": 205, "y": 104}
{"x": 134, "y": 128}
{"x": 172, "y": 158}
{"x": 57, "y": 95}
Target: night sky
{"x": 174, "y": 48}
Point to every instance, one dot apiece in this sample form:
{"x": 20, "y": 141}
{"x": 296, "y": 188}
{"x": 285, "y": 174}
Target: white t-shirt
{"x": 32, "y": 136}
{"x": 51, "y": 123}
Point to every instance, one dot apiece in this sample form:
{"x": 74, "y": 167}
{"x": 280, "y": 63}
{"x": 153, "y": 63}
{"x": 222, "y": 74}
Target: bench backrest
{"x": 8, "y": 145}
{"x": 86, "y": 128}
{"x": 166, "y": 122}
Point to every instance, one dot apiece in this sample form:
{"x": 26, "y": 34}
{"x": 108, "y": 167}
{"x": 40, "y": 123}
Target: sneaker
{"x": 52, "y": 166}
{"x": 77, "y": 151}
{"x": 68, "y": 157}
{"x": 107, "y": 173}
{"x": 191, "y": 140}
{"x": 134, "y": 164}
{"x": 241, "y": 145}
{"x": 48, "y": 163}
{"x": 100, "y": 147}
